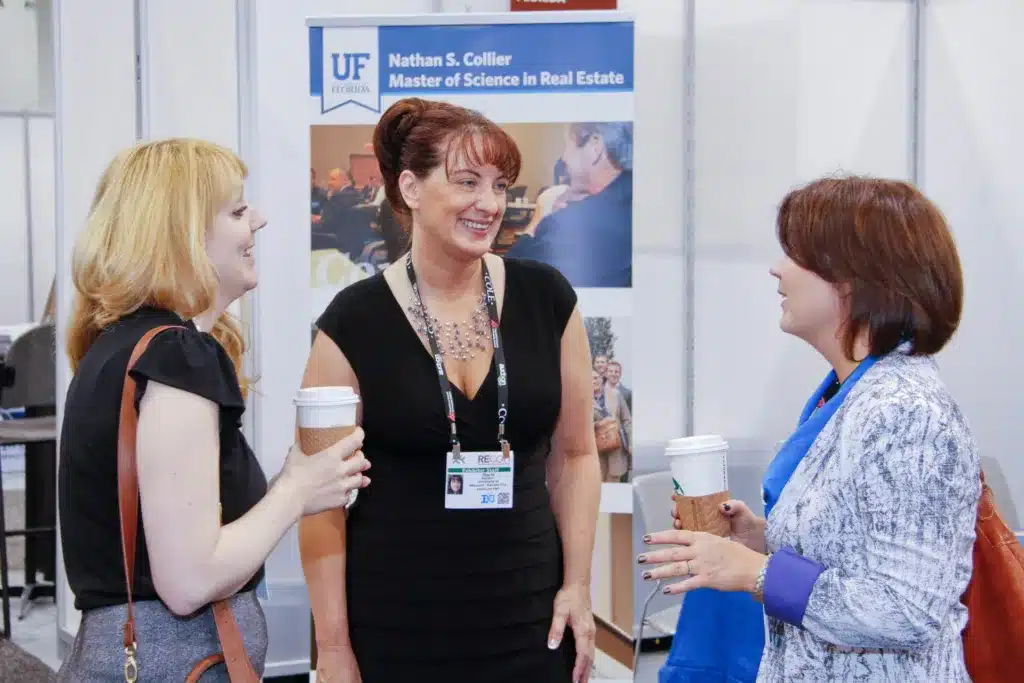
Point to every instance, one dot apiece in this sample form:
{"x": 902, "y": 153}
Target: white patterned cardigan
{"x": 877, "y": 522}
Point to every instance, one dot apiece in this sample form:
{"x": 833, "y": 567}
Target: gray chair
{"x": 29, "y": 382}
{"x": 653, "y": 498}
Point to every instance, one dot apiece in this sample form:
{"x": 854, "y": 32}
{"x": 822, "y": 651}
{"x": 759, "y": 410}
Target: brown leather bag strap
{"x": 127, "y": 479}
{"x": 236, "y": 657}
{"x": 240, "y": 669}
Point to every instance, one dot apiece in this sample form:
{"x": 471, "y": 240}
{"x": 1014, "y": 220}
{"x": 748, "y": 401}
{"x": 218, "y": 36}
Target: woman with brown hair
{"x": 169, "y": 243}
{"x": 871, "y": 502}
{"x": 486, "y": 373}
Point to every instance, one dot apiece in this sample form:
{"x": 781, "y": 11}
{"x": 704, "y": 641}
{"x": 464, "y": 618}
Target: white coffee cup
{"x": 325, "y": 416}
{"x": 698, "y": 465}
{"x": 326, "y": 407}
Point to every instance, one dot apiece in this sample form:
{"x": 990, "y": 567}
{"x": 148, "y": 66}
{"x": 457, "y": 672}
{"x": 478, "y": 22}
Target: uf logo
{"x": 354, "y": 63}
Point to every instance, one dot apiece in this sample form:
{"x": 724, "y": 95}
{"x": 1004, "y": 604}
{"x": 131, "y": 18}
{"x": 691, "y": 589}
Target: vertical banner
{"x": 562, "y": 86}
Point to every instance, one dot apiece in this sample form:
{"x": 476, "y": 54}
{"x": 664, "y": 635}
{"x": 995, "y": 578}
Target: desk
{"x": 36, "y": 432}
{"x": 41, "y": 506}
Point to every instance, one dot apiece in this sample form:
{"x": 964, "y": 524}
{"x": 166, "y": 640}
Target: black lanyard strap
{"x": 442, "y": 374}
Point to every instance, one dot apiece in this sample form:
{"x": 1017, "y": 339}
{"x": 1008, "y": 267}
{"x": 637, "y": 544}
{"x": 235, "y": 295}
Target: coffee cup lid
{"x": 703, "y": 443}
{"x": 325, "y": 395}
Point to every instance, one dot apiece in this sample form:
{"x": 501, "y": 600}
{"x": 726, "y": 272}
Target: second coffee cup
{"x": 700, "y": 482}
{"x": 325, "y": 416}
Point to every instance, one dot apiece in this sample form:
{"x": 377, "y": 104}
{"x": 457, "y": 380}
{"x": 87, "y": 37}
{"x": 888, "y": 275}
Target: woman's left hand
{"x": 572, "y": 607}
{"x": 706, "y": 560}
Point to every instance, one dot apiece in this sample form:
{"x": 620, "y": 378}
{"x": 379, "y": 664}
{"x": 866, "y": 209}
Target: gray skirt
{"x": 168, "y": 645}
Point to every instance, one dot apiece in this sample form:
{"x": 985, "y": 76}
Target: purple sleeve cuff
{"x": 788, "y": 583}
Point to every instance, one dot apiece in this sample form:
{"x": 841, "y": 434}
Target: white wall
{"x": 659, "y": 403}
{"x": 19, "y": 63}
{"x": 190, "y": 70}
{"x": 19, "y": 90}
{"x": 43, "y": 193}
{"x": 971, "y": 166}
{"x": 26, "y": 193}
{"x": 96, "y": 119}
{"x": 785, "y": 91}
{"x": 14, "y": 236}
{"x": 26, "y": 127}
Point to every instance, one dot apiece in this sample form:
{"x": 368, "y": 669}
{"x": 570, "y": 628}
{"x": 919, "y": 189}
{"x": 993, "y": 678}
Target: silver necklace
{"x": 460, "y": 341}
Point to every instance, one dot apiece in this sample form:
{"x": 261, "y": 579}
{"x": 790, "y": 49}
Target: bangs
{"x": 485, "y": 145}
{"x": 801, "y": 227}
{"x": 225, "y": 175}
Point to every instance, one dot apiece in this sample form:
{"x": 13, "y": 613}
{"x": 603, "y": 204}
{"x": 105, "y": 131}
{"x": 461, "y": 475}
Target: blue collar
{"x": 812, "y": 420}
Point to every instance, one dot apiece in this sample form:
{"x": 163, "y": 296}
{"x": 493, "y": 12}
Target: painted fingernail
{"x": 647, "y": 576}
{"x": 552, "y": 644}
{"x": 666, "y": 590}
{"x": 647, "y": 538}
{"x": 726, "y": 507}
{"x": 640, "y": 559}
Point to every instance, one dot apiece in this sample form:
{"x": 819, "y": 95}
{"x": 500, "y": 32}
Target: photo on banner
{"x": 571, "y": 206}
{"x": 610, "y": 350}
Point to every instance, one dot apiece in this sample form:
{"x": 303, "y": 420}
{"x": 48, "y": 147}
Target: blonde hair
{"x": 145, "y": 240}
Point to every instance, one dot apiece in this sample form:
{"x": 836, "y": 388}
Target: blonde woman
{"x": 169, "y": 241}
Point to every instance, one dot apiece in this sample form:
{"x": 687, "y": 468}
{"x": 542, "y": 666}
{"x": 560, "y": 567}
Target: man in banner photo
{"x": 593, "y": 211}
{"x": 572, "y": 205}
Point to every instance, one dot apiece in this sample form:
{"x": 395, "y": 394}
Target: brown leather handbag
{"x": 234, "y": 655}
{"x": 994, "y": 638}
{"x": 606, "y": 433}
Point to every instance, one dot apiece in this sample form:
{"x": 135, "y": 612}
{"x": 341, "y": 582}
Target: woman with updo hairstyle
{"x": 461, "y": 358}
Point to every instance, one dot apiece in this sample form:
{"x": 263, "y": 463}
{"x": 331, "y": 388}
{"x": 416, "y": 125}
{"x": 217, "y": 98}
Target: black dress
{"x": 466, "y": 595}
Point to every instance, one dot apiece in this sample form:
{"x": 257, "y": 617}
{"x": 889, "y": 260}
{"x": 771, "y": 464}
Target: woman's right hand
{"x": 744, "y": 526}
{"x": 326, "y": 480}
{"x": 337, "y": 665}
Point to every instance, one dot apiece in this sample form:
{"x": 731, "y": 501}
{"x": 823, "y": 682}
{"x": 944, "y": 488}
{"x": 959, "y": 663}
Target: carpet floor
{"x": 18, "y": 666}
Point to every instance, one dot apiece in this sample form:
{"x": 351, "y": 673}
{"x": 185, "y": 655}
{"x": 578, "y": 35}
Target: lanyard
{"x": 442, "y": 374}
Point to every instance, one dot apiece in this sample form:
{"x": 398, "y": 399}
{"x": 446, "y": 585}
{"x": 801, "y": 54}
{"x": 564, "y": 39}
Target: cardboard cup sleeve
{"x": 703, "y": 513}
{"x": 315, "y": 440}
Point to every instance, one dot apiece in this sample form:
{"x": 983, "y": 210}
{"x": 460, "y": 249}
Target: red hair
{"x": 420, "y": 135}
{"x": 891, "y": 247}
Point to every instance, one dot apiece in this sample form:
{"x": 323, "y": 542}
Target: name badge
{"x": 479, "y": 480}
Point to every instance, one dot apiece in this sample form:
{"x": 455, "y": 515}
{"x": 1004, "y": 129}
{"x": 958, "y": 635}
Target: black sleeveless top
{"x": 463, "y": 594}
{"x": 90, "y": 529}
